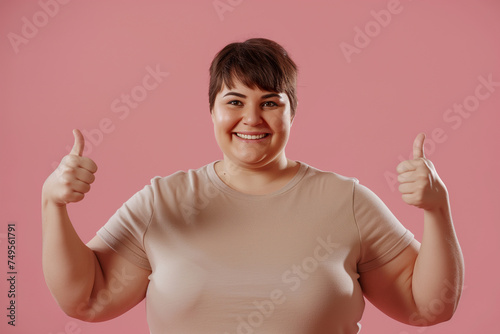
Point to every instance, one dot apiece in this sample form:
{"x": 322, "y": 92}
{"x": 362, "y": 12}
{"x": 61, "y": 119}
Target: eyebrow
{"x": 265, "y": 96}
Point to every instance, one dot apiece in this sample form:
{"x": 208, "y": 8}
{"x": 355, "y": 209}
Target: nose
{"x": 252, "y": 115}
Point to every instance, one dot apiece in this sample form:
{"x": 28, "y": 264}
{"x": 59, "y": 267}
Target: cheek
{"x": 223, "y": 121}
{"x": 280, "y": 123}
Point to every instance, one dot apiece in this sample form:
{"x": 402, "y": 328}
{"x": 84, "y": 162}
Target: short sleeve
{"x": 382, "y": 236}
{"x": 124, "y": 232}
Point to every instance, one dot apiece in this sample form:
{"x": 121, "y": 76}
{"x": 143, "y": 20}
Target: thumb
{"x": 418, "y": 146}
{"x": 79, "y": 143}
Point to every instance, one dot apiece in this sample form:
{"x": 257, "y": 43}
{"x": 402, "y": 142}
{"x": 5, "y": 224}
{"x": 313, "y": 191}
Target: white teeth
{"x": 251, "y": 136}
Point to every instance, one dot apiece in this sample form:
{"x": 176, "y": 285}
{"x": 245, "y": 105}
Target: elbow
{"x": 437, "y": 312}
{"x": 82, "y": 312}
{"x": 445, "y": 316}
{"x": 439, "y": 309}
{"x": 88, "y": 312}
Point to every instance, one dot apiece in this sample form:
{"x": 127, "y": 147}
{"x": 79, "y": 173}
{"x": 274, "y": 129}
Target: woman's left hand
{"x": 419, "y": 183}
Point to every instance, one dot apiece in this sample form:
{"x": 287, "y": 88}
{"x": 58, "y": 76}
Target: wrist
{"x": 48, "y": 202}
{"x": 440, "y": 214}
{"x": 441, "y": 204}
{"x": 439, "y": 200}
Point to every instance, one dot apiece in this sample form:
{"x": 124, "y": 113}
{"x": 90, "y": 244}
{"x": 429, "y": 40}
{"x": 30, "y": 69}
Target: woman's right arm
{"x": 89, "y": 282}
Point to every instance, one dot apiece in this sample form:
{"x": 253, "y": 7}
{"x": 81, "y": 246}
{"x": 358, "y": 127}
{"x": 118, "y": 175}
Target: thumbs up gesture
{"x": 72, "y": 178}
{"x": 419, "y": 182}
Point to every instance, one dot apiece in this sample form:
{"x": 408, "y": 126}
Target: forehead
{"x": 240, "y": 87}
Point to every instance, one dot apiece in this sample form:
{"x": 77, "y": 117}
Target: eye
{"x": 269, "y": 104}
{"x": 235, "y": 103}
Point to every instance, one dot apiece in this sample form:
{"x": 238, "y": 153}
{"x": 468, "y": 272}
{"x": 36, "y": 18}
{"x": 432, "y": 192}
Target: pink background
{"x": 356, "y": 117}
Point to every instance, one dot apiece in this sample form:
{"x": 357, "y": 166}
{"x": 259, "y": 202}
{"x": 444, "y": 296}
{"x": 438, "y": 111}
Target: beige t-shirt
{"x": 224, "y": 262}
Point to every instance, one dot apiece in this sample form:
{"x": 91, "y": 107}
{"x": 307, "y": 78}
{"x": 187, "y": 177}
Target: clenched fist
{"x": 72, "y": 178}
{"x": 420, "y": 184}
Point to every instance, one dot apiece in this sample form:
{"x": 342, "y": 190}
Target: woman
{"x": 255, "y": 242}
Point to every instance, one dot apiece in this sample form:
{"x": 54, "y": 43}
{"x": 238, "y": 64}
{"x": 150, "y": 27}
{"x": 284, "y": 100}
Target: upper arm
{"x": 389, "y": 287}
{"x": 119, "y": 284}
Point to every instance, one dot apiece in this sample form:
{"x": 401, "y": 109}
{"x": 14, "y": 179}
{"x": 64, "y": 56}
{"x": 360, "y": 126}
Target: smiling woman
{"x": 252, "y": 128}
{"x": 253, "y": 101}
{"x": 254, "y": 242}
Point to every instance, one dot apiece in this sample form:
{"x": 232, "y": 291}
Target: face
{"x": 251, "y": 126}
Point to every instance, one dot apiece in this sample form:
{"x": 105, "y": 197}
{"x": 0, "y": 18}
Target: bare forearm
{"x": 438, "y": 273}
{"x": 68, "y": 264}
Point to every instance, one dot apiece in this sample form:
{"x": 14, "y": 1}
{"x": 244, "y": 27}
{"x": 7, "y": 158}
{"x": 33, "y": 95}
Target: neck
{"x": 257, "y": 180}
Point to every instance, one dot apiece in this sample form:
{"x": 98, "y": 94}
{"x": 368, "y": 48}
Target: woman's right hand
{"x": 72, "y": 178}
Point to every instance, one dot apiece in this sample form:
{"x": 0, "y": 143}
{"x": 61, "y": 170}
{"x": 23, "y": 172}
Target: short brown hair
{"x": 256, "y": 62}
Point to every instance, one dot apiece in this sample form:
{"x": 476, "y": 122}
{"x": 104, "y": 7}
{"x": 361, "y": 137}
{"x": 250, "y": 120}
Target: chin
{"x": 249, "y": 161}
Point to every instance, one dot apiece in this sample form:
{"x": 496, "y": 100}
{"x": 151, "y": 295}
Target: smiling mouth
{"x": 244, "y": 136}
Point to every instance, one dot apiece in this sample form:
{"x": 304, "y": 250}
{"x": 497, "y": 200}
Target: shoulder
{"x": 181, "y": 181}
{"x": 329, "y": 188}
{"x": 329, "y": 178}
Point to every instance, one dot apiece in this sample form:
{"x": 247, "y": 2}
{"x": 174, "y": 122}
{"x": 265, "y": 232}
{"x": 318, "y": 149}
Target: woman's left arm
{"x": 423, "y": 284}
